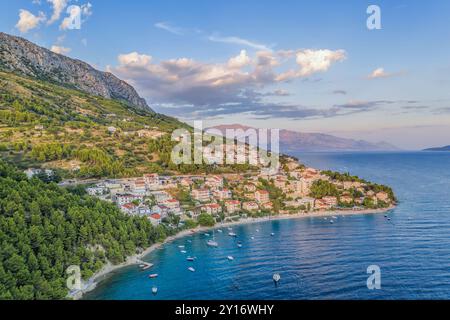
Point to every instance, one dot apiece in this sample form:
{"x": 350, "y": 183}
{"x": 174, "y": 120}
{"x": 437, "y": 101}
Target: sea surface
{"x": 317, "y": 259}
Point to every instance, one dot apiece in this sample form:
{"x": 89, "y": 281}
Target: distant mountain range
{"x": 26, "y": 58}
{"x": 446, "y": 148}
{"x": 318, "y": 142}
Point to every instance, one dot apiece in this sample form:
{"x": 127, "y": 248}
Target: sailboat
{"x": 212, "y": 242}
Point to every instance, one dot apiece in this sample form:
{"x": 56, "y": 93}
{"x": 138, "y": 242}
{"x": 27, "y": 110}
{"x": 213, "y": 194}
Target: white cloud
{"x": 28, "y": 21}
{"x": 58, "y": 7}
{"x": 169, "y": 28}
{"x": 236, "y": 80}
{"x": 60, "y": 50}
{"x": 379, "y": 73}
{"x": 241, "y": 42}
{"x": 239, "y": 61}
{"x": 311, "y": 62}
{"x": 134, "y": 59}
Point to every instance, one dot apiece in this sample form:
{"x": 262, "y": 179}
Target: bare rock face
{"x": 24, "y": 57}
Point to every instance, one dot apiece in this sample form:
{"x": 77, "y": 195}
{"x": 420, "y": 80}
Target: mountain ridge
{"x": 318, "y": 142}
{"x": 444, "y": 148}
{"x": 26, "y": 58}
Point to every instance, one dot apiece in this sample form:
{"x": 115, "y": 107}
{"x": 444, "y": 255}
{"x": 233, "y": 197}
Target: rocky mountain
{"x": 291, "y": 141}
{"x": 24, "y": 57}
{"x": 446, "y": 148}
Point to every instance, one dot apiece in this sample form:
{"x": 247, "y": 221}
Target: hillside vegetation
{"x": 43, "y": 124}
{"x": 44, "y": 229}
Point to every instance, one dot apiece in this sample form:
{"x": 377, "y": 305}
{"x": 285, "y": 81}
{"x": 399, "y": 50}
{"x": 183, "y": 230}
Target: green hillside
{"x": 44, "y": 229}
{"x": 43, "y": 124}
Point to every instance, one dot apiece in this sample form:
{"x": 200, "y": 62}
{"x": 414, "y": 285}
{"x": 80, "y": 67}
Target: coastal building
{"x": 97, "y": 191}
{"x": 262, "y": 196}
{"x": 382, "y": 196}
{"x": 321, "y": 204}
{"x": 250, "y": 206}
{"x": 232, "y": 206}
{"x": 267, "y": 206}
{"x": 202, "y": 195}
{"x": 307, "y": 202}
{"x": 212, "y": 208}
{"x": 129, "y": 208}
{"x": 346, "y": 199}
{"x": 222, "y": 194}
{"x": 330, "y": 201}
{"x": 160, "y": 196}
{"x": 155, "y": 219}
{"x": 214, "y": 182}
{"x": 124, "y": 198}
{"x": 162, "y": 210}
{"x": 152, "y": 181}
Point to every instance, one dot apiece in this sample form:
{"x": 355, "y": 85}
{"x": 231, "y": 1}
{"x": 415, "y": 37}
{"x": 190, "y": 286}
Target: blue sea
{"x": 316, "y": 259}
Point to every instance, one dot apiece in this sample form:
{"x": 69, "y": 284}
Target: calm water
{"x": 316, "y": 259}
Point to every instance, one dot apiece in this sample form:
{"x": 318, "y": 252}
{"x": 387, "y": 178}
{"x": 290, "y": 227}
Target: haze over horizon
{"x": 296, "y": 66}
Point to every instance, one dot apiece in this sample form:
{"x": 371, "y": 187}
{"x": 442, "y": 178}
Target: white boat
{"x": 212, "y": 243}
{"x": 207, "y": 234}
{"x": 272, "y": 234}
{"x": 229, "y": 228}
{"x": 154, "y": 290}
{"x": 147, "y": 266}
{"x": 276, "y": 277}
{"x": 331, "y": 221}
{"x": 190, "y": 258}
{"x": 257, "y": 230}
{"x": 232, "y": 234}
{"x": 152, "y": 276}
{"x": 239, "y": 245}
{"x": 183, "y": 251}
{"x": 181, "y": 247}
{"x": 230, "y": 258}
{"x": 220, "y": 231}
{"x": 191, "y": 269}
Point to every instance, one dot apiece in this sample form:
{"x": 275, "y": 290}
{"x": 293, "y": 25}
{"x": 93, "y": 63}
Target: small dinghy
{"x": 183, "y": 251}
{"x": 232, "y": 234}
{"x": 190, "y": 258}
{"x": 239, "y": 244}
{"x": 219, "y": 231}
{"x": 154, "y": 290}
{"x": 206, "y": 234}
{"x": 272, "y": 234}
{"x": 276, "y": 277}
{"x": 181, "y": 247}
{"x": 153, "y": 276}
{"x": 191, "y": 269}
{"x": 230, "y": 258}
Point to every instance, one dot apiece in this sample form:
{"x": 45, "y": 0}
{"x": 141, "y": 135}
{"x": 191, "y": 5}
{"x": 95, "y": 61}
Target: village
{"x": 230, "y": 197}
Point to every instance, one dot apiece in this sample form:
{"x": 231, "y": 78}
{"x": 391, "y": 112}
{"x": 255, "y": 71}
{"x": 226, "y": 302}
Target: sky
{"x": 310, "y": 66}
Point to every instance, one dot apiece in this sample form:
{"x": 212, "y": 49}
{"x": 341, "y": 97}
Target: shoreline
{"x": 108, "y": 269}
